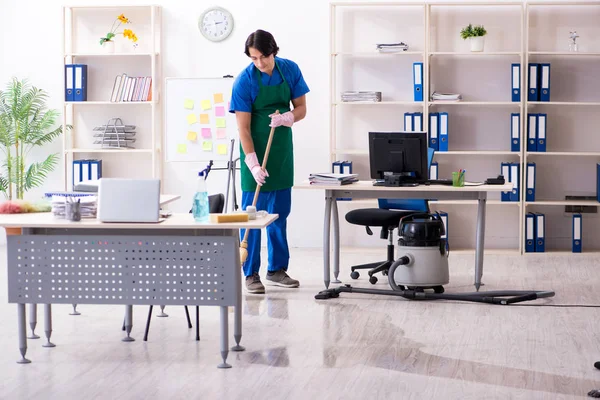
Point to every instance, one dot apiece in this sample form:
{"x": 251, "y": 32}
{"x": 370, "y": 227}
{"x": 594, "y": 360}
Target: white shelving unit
{"x": 568, "y": 167}
{"x": 431, "y": 30}
{"x": 83, "y": 28}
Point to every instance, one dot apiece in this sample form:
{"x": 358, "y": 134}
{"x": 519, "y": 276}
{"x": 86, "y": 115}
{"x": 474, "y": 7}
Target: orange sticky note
{"x": 207, "y": 145}
{"x": 222, "y": 149}
{"x": 221, "y": 133}
{"x": 218, "y": 97}
{"x": 204, "y": 119}
{"x": 191, "y": 136}
{"x": 181, "y": 148}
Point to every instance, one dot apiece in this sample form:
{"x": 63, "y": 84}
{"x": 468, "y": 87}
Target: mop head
{"x": 594, "y": 393}
{"x": 24, "y": 206}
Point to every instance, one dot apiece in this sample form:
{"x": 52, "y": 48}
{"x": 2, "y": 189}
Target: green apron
{"x": 280, "y": 164}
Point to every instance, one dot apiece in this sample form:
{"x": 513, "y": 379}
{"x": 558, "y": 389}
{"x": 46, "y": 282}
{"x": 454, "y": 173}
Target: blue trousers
{"x": 274, "y": 202}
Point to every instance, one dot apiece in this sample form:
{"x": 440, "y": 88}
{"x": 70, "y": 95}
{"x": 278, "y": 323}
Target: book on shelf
{"x": 131, "y": 88}
{"x": 332, "y": 179}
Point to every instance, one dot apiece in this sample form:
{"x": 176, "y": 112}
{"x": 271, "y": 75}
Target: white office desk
{"x": 366, "y": 190}
{"x": 168, "y": 198}
{"x": 174, "y": 262}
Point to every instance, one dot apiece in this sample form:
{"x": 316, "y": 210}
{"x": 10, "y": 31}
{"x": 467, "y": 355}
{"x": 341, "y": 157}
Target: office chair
{"x": 216, "y": 203}
{"x": 387, "y": 216}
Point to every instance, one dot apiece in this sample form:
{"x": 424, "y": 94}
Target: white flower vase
{"x": 108, "y": 47}
{"x": 477, "y": 43}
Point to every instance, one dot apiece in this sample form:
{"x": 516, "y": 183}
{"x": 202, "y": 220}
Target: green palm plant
{"x": 25, "y": 123}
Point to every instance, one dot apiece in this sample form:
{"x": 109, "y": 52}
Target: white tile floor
{"x": 353, "y": 347}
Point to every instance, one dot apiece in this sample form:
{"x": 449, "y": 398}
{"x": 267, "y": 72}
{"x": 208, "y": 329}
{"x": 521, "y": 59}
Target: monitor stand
{"x": 395, "y": 179}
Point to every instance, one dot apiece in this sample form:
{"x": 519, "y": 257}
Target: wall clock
{"x": 215, "y": 24}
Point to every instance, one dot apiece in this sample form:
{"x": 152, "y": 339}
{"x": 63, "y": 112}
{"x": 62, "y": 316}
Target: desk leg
{"x": 48, "y": 324}
{"x": 336, "y": 241}
{"x": 128, "y": 323}
{"x": 22, "y": 328}
{"x": 33, "y": 321}
{"x": 326, "y": 233}
{"x": 480, "y": 240}
{"x": 162, "y": 312}
{"x": 75, "y": 312}
{"x": 224, "y": 337}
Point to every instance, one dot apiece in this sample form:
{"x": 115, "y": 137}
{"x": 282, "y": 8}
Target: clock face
{"x": 215, "y": 24}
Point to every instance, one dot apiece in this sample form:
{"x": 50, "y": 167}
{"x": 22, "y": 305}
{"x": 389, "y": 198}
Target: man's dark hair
{"x": 262, "y": 41}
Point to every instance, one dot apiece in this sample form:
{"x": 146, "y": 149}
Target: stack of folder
{"x": 76, "y": 82}
{"x": 391, "y": 47}
{"x": 535, "y": 232}
{"x": 348, "y": 96}
{"x": 436, "y": 96}
{"x": 539, "y": 82}
{"x": 332, "y": 179}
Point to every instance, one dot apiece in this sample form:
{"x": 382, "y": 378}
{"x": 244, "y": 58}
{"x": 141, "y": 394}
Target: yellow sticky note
{"x": 222, "y": 149}
{"x": 189, "y": 104}
{"x": 207, "y": 145}
{"x": 218, "y": 97}
{"x": 182, "y": 148}
{"x": 220, "y": 122}
{"x": 204, "y": 119}
{"x": 191, "y": 119}
{"x": 191, "y": 136}
{"x": 206, "y": 105}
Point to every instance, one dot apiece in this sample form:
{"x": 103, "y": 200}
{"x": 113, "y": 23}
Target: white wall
{"x": 30, "y": 40}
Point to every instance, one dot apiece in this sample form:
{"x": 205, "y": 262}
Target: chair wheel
{"x": 384, "y": 272}
{"x": 373, "y": 280}
{"x": 354, "y": 275}
{"x": 438, "y": 289}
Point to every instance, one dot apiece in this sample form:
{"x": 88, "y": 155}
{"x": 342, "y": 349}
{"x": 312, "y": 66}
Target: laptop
{"x": 128, "y": 200}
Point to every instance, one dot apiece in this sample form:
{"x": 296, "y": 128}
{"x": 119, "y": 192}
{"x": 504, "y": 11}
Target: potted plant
{"x": 24, "y": 124}
{"x": 107, "y": 43}
{"x": 475, "y": 34}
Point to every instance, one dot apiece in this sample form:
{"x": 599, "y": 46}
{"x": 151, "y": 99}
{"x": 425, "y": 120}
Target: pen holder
{"x": 458, "y": 179}
{"x": 73, "y": 211}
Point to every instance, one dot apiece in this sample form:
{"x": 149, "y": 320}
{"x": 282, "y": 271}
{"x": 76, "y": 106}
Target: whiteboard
{"x": 198, "y": 125}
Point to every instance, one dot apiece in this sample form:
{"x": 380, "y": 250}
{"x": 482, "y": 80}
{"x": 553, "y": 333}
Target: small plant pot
{"x": 477, "y": 43}
{"x": 108, "y": 47}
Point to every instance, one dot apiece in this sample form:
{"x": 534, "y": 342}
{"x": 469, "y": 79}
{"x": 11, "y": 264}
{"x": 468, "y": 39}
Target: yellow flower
{"x": 123, "y": 19}
{"x": 128, "y": 33}
{"x": 134, "y": 38}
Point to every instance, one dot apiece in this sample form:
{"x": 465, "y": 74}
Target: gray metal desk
{"x": 175, "y": 262}
{"x": 366, "y": 190}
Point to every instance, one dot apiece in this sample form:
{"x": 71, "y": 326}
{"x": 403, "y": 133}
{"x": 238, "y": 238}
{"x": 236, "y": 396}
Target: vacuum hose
{"x": 493, "y": 297}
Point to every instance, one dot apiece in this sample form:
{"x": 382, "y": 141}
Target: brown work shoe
{"x": 254, "y": 285}
{"x": 281, "y": 278}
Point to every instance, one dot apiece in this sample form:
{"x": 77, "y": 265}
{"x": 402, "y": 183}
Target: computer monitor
{"x": 401, "y": 154}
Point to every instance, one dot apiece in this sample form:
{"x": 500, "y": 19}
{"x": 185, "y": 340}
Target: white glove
{"x": 254, "y": 167}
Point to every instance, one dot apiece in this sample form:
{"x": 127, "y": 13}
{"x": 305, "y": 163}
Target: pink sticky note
{"x": 221, "y": 133}
{"x": 206, "y": 133}
{"x": 220, "y": 111}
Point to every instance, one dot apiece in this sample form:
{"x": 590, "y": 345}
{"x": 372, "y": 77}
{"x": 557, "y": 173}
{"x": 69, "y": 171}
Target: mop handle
{"x": 264, "y": 164}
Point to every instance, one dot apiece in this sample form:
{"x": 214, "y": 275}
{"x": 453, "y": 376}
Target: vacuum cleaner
{"x": 422, "y": 265}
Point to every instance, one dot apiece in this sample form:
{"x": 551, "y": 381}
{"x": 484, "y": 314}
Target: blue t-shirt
{"x": 245, "y": 87}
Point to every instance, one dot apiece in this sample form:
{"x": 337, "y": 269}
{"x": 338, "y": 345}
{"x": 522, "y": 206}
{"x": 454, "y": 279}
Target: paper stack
{"x": 446, "y": 96}
{"x": 361, "y": 96}
{"x": 88, "y": 205}
{"x": 332, "y": 179}
{"x": 391, "y": 47}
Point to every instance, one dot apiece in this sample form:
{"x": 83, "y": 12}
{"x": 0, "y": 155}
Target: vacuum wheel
{"x": 354, "y": 275}
{"x": 373, "y": 279}
{"x": 438, "y": 289}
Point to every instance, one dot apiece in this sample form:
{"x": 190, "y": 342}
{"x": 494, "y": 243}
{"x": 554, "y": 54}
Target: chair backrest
{"x": 216, "y": 202}
{"x": 409, "y": 204}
